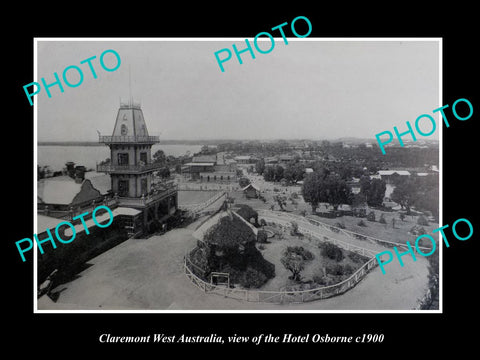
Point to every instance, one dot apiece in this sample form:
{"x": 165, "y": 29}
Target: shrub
{"x": 262, "y": 236}
{"x": 422, "y": 220}
{"x": 382, "y": 219}
{"x": 348, "y": 270}
{"x": 332, "y": 251}
{"x": 357, "y": 258}
{"x": 261, "y": 247}
{"x": 402, "y": 216}
{"x": 417, "y": 230}
{"x": 263, "y": 222}
{"x": 336, "y": 270}
{"x": 361, "y": 223}
{"x": 340, "y": 225}
{"x": 371, "y": 216}
{"x": 303, "y": 213}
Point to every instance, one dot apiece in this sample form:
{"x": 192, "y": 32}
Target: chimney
{"x": 70, "y": 169}
{"x": 79, "y": 174}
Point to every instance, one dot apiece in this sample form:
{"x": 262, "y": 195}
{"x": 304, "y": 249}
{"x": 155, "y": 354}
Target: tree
{"x": 294, "y": 172}
{"x": 178, "y": 168}
{"x": 243, "y": 181}
{"x": 404, "y": 194}
{"x": 330, "y": 188}
{"x": 278, "y": 175}
{"x": 373, "y": 190}
{"x": 159, "y": 157}
{"x": 294, "y": 258}
{"x": 164, "y": 173}
{"x": 269, "y": 173}
{"x": 260, "y": 166}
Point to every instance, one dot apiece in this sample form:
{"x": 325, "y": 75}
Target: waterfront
{"x": 56, "y": 156}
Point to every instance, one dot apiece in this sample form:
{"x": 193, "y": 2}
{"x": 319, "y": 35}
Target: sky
{"x": 309, "y": 89}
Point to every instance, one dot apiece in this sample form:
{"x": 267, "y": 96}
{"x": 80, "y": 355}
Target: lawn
{"x": 190, "y": 197}
{"x": 318, "y": 272}
{"x": 399, "y": 234}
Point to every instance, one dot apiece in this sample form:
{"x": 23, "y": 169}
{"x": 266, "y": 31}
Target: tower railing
{"x": 109, "y": 168}
{"x": 128, "y": 139}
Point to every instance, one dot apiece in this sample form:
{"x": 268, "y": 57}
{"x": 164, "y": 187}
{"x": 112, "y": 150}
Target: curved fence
{"x": 197, "y": 276}
{"x": 335, "y": 229}
{"x": 197, "y": 208}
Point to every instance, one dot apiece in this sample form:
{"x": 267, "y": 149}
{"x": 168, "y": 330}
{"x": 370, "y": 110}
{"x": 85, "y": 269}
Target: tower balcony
{"x": 144, "y": 201}
{"x": 137, "y": 139}
{"x": 128, "y": 169}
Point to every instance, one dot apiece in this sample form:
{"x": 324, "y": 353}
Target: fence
{"x": 197, "y": 208}
{"x": 337, "y": 230}
{"x": 195, "y": 274}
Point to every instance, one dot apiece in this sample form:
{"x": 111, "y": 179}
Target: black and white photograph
{"x": 296, "y": 181}
{"x": 260, "y": 187}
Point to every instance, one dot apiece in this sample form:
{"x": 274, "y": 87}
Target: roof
{"x": 242, "y": 157}
{"x": 200, "y": 164}
{"x": 391, "y": 172}
{"x": 308, "y": 170}
{"x": 101, "y": 182}
{"x": 130, "y": 122}
{"x": 202, "y": 230}
{"x": 58, "y": 190}
{"x": 48, "y": 222}
{"x": 204, "y": 158}
{"x": 251, "y": 185}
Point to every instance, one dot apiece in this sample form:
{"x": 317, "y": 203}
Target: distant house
{"x": 251, "y": 191}
{"x": 389, "y": 175}
{"x": 308, "y": 170}
{"x": 210, "y": 168}
{"x": 243, "y": 159}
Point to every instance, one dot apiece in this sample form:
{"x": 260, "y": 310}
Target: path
{"x": 148, "y": 275}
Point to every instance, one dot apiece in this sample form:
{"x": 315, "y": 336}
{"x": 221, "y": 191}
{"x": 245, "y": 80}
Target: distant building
{"x": 251, "y": 191}
{"x": 244, "y": 159}
{"x": 390, "y": 175}
{"x": 210, "y": 168}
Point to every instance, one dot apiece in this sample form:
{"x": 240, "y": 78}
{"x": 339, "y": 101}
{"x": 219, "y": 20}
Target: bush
{"x": 382, "y": 219}
{"x": 262, "y": 236}
{"x": 357, "y": 258}
{"x": 371, "y": 216}
{"x": 422, "y": 220}
{"x": 348, "y": 270}
{"x": 332, "y": 251}
{"x": 263, "y": 222}
{"x": 361, "y": 223}
{"x": 261, "y": 247}
{"x": 417, "y": 230}
{"x": 303, "y": 213}
{"x": 336, "y": 270}
{"x": 402, "y": 216}
{"x": 340, "y": 225}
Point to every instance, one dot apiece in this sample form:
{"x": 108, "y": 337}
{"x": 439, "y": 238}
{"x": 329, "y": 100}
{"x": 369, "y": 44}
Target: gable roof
{"x": 391, "y": 172}
{"x": 251, "y": 185}
{"x": 202, "y": 230}
{"x": 101, "y": 182}
{"x": 58, "y": 190}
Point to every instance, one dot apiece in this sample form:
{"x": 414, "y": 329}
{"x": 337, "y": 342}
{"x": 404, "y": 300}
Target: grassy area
{"x": 187, "y": 197}
{"x": 398, "y": 234}
{"x": 318, "y": 272}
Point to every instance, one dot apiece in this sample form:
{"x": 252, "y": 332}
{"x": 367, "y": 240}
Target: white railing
{"x": 336, "y": 229}
{"x": 286, "y": 295}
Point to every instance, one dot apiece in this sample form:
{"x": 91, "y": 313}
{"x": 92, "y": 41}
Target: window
{"x": 122, "y": 158}
{"x": 143, "y": 185}
{"x": 123, "y": 187}
{"x": 143, "y": 157}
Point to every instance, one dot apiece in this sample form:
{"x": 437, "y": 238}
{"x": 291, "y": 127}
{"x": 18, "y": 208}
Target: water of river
{"x": 56, "y": 156}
